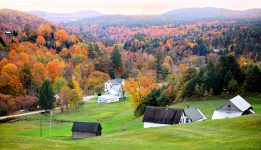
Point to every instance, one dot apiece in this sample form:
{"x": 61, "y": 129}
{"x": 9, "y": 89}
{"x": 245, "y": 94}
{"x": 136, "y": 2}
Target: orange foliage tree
{"x": 9, "y": 80}
{"x": 54, "y": 69}
{"x": 44, "y": 30}
{"x": 40, "y": 40}
{"x": 39, "y": 73}
{"x": 61, "y": 35}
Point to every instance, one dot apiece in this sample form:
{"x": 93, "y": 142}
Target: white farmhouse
{"x": 113, "y": 91}
{"x": 236, "y": 106}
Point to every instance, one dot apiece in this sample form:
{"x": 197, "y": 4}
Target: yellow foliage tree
{"x": 140, "y": 87}
{"x": 243, "y": 61}
{"x": 76, "y": 93}
{"x": 95, "y": 81}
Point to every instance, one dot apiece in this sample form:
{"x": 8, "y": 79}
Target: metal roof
{"x": 91, "y": 127}
{"x": 162, "y": 115}
{"x": 194, "y": 114}
{"x": 116, "y": 81}
{"x": 240, "y": 103}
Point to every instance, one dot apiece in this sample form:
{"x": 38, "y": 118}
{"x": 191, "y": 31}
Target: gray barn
{"x": 82, "y": 130}
{"x": 236, "y": 106}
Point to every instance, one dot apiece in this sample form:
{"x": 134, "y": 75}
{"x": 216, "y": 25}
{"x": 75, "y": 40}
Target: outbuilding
{"x": 236, "y": 106}
{"x": 159, "y": 116}
{"x": 82, "y": 130}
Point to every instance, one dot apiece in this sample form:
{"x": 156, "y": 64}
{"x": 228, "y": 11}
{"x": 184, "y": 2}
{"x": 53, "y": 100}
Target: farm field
{"x": 121, "y": 130}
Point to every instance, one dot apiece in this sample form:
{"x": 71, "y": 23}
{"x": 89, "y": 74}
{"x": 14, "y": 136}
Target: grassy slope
{"x": 123, "y": 131}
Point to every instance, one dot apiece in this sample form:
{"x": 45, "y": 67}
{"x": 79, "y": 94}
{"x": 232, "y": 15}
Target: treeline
{"x": 224, "y": 77}
{"x": 227, "y": 76}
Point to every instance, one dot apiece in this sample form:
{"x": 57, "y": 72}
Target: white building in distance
{"x": 113, "y": 91}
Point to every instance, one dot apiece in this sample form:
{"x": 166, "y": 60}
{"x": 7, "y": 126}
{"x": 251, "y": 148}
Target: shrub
{"x": 7, "y": 104}
{"x": 26, "y": 102}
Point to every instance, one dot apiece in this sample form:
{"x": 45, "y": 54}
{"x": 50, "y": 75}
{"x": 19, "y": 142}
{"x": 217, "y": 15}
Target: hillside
{"x": 211, "y": 13}
{"x": 183, "y": 15}
{"x": 16, "y": 20}
{"x": 121, "y": 130}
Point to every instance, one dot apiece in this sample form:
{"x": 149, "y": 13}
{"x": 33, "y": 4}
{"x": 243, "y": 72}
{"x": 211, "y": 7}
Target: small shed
{"x": 158, "y": 116}
{"x": 82, "y": 130}
{"x": 236, "y": 106}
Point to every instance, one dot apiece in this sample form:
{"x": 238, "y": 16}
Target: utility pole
{"x": 41, "y": 125}
{"x": 51, "y": 123}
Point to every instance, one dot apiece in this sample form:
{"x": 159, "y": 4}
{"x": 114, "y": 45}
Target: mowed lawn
{"x": 121, "y": 130}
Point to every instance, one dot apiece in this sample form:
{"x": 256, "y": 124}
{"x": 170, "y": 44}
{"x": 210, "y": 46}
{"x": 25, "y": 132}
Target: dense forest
{"x": 167, "y": 63}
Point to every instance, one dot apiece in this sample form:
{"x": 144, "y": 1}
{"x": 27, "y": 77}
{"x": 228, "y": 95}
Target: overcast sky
{"x": 124, "y": 6}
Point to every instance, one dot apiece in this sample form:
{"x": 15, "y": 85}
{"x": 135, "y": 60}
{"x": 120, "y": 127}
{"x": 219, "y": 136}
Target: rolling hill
{"x": 16, "y": 20}
{"x": 211, "y": 13}
{"x": 173, "y": 16}
{"x": 121, "y": 130}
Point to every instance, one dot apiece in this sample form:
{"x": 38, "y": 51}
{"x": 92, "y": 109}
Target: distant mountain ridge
{"x": 66, "y": 17}
{"x": 211, "y": 12}
{"x": 182, "y": 14}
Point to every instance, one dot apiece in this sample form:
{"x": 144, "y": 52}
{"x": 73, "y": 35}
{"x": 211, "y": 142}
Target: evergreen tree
{"x": 253, "y": 80}
{"x": 116, "y": 68}
{"x": 91, "y": 51}
{"x": 159, "y": 59}
{"x": 26, "y": 77}
{"x": 46, "y": 96}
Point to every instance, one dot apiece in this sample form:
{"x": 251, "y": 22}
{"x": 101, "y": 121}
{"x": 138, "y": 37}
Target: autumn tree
{"x": 40, "y": 40}
{"x": 54, "y": 69}
{"x": 58, "y": 84}
{"x": 65, "y": 95}
{"x": 61, "y": 35}
{"x": 9, "y": 80}
{"x": 39, "y": 73}
{"x": 44, "y": 30}
{"x": 95, "y": 81}
{"x": 76, "y": 93}
{"x": 140, "y": 87}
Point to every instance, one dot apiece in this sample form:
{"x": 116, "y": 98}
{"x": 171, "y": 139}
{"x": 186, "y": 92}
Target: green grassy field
{"x": 121, "y": 130}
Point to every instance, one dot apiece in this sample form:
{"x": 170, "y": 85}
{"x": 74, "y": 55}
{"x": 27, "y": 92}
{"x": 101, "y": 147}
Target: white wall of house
{"x": 183, "y": 119}
{"x": 150, "y": 125}
{"x": 225, "y": 114}
{"x": 108, "y": 99}
{"x": 107, "y": 86}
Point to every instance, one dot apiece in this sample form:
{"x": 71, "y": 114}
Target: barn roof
{"x": 162, "y": 115}
{"x": 116, "y": 81}
{"x": 240, "y": 103}
{"x": 194, "y": 114}
{"x": 92, "y": 127}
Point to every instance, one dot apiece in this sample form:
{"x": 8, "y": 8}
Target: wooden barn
{"x": 82, "y": 130}
{"x": 236, "y": 106}
{"x": 158, "y": 116}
